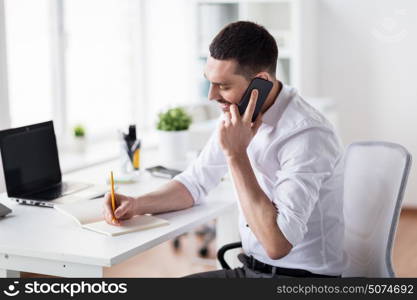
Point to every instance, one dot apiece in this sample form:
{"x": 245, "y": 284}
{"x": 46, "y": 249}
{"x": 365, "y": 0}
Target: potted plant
{"x": 173, "y": 126}
{"x": 79, "y": 138}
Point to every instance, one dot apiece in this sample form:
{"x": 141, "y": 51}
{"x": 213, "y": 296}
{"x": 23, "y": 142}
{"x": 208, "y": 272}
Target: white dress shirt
{"x": 298, "y": 162}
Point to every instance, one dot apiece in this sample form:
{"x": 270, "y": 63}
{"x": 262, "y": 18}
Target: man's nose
{"x": 213, "y": 93}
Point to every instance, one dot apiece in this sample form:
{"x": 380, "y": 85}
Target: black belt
{"x": 256, "y": 265}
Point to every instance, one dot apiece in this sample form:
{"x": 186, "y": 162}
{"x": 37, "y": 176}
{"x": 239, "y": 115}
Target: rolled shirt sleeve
{"x": 206, "y": 171}
{"x": 307, "y": 159}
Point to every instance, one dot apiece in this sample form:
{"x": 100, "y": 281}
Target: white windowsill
{"x": 98, "y": 153}
{"x": 109, "y": 150}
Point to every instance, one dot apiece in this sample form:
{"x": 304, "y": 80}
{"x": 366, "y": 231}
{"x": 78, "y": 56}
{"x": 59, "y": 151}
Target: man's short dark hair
{"x": 250, "y": 44}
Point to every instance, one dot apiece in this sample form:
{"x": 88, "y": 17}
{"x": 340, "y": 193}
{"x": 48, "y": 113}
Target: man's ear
{"x": 264, "y": 75}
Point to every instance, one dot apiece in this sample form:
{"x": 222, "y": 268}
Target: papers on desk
{"x": 88, "y": 214}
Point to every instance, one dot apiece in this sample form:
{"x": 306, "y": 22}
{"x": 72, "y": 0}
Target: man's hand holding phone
{"x": 236, "y": 131}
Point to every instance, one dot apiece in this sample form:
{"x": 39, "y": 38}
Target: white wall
{"x": 307, "y": 47}
{"x": 367, "y": 63}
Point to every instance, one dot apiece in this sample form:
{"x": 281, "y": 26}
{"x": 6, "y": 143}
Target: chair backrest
{"x": 375, "y": 179}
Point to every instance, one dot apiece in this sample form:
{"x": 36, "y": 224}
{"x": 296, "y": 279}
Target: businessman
{"x": 286, "y": 167}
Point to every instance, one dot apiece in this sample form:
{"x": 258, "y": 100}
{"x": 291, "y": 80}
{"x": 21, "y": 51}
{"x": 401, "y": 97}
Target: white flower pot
{"x": 80, "y": 144}
{"x": 173, "y": 145}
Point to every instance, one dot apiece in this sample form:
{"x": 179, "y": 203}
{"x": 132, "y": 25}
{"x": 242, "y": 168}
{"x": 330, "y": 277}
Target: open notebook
{"x": 89, "y": 214}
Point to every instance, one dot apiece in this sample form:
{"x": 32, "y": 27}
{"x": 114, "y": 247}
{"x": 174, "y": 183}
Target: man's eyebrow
{"x": 218, "y": 83}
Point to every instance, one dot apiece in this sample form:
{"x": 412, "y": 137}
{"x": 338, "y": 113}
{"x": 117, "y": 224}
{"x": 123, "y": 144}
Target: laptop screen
{"x": 30, "y": 159}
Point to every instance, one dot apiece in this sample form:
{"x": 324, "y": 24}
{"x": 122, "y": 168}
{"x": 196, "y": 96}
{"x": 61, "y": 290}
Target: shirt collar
{"x": 273, "y": 114}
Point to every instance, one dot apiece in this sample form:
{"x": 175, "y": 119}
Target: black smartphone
{"x": 264, "y": 87}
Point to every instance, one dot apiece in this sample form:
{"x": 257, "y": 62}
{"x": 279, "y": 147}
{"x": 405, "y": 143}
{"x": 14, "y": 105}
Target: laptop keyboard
{"x": 70, "y": 188}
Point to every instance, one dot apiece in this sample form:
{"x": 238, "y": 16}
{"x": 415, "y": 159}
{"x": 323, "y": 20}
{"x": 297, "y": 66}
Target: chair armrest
{"x": 222, "y": 251}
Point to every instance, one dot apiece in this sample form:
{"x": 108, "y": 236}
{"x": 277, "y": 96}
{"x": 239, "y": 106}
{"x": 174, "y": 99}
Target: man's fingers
{"x": 257, "y": 123}
{"x": 108, "y": 210}
{"x": 226, "y": 118}
{"x": 107, "y": 196}
{"x": 117, "y": 197}
{"x": 107, "y": 203}
{"x": 234, "y": 112}
{"x": 111, "y": 220}
{"x": 108, "y": 217}
{"x": 121, "y": 210}
{"x": 247, "y": 117}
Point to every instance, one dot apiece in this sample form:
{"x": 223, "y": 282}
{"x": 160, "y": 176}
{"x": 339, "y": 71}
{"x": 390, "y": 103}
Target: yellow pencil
{"x": 113, "y": 200}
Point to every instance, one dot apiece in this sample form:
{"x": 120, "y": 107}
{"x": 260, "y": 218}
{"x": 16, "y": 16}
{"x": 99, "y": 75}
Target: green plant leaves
{"x": 174, "y": 119}
{"x": 79, "y": 131}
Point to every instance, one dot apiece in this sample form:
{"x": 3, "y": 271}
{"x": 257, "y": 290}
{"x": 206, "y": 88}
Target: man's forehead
{"x": 217, "y": 70}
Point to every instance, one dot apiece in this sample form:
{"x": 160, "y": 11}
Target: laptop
{"x": 31, "y": 166}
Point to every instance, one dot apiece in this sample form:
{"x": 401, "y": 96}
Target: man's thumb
{"x": 120, "y": 211}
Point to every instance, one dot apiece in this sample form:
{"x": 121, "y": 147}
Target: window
{"x": 85, "y": 61}
{"x": 99, "y": 62}
{"x": 29, "y": 64}
{"x": 73, "y": 61}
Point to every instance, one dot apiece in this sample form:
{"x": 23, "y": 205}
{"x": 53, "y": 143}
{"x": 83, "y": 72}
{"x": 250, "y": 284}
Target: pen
{"x": 135, "y": 150}
{"x": 113, "y": 201}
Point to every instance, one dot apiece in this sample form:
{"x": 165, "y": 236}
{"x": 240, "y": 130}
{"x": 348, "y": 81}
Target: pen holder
{"x": 129, "y": 157}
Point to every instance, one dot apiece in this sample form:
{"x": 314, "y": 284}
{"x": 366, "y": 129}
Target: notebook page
{"x": 85, "y": 211}
{"x": 134, "y": 224}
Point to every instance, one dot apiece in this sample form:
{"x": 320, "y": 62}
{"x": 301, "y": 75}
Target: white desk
{"x": 42, "y": 240}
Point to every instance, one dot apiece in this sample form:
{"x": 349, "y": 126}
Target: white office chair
{"x": 375, "y": 179}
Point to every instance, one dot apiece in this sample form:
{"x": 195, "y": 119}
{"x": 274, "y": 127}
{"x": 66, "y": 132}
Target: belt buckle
{"x": 265, "y": 268}
{"x": 258, "y": 265}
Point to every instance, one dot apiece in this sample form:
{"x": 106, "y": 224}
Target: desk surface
{"x": 45, "y": 233}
